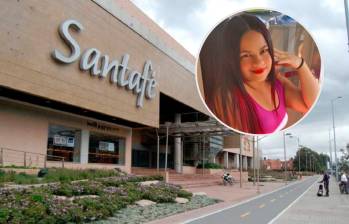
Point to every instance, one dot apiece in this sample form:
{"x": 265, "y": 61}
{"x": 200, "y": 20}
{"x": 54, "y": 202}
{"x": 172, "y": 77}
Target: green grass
{"x": 55, "y": 175}
{"x": 18, "y": 178}
{"x": 67, "y": 175}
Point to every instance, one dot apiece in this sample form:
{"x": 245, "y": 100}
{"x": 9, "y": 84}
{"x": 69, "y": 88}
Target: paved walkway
{"x": 229, "y": 194}
{"x": 320, "y": 210}
{"x": 259, "y": 210}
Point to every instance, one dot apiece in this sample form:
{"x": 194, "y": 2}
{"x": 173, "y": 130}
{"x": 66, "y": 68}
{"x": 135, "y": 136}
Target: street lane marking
{"x": 244, "y": 215}
{"x": 272, "y": 200}
{"x": 281, "y": 196}
{"x": 262, "y": 205}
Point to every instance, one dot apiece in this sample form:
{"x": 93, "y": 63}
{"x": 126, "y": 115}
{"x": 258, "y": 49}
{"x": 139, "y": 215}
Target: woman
{"x": 241, "y": 85}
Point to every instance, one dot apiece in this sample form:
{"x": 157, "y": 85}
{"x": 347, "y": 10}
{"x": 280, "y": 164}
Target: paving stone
{"x": 181, "y": 200}
{"x": 83, "y": 196}
{"x": 148, "y": 183}
{"x": 144, "y": 203}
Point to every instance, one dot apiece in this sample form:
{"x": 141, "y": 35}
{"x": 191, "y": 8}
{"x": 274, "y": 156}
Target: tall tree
{"x": 310, "y": 160}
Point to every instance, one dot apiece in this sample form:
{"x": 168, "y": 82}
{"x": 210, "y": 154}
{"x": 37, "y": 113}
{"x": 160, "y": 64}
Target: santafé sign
{"x": 142, "y": 84}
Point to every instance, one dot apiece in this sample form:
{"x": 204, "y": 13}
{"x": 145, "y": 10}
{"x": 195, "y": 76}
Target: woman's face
{"x": 255, "y": 60}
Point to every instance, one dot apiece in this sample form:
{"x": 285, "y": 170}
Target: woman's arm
{"x": 299, "y": 99}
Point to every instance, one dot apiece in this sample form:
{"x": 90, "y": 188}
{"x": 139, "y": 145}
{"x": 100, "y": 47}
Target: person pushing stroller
{"x": 326, "y": 181}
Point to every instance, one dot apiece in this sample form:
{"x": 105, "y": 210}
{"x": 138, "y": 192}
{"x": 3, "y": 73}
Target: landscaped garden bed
{"x": 136, "y": 214}
{"x": 55, "y": 175}
{"x": 90, "y": 195}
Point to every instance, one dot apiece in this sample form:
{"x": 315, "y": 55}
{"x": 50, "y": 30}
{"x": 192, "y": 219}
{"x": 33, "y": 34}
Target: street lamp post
{"x": 306, "y": 161}
{"x": 285, "y": 162}
{"x": 299, "y": 157}
{"x": 258, "y": 161}
{"x": 254, "y": 161}
{"x": 299, "y": 152}
{"x": 330, "y": 147}
{"x": 334, "y": 135}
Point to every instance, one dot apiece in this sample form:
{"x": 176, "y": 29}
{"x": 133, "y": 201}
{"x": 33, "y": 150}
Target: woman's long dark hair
{"x": 225, "y": 93}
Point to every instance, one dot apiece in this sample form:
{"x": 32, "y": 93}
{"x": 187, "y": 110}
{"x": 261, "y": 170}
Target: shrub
{"x": 159, "y": 195}
{"x": 184, "y": 194}
{"x": 4, "y": 215}
{"x": 34, "y": 213}
{"x": 210, "y": 166}
{"x": 133, "y": 192}
{"x": 63, "y": 189}
{"x": 23, "y": 178}
{"x": 67, "y": 175}
{"x": 94, "y": 208}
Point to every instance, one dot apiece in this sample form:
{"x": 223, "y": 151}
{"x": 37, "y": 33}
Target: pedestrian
{"x": 344, "y": 182}
{"x": 326, "y": 181}
{"x": 243, "y": 84}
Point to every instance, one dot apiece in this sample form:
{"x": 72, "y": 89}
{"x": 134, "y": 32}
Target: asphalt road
{"x": 261, "y": 209}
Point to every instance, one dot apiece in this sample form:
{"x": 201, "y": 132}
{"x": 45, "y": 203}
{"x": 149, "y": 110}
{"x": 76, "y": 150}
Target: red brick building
{"x": 277, "y": 164}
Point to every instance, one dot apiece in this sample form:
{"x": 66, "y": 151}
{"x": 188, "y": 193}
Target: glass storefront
{"x": 83, "y": 146}
{"x": 106, "y": 149}
{"x": 61, "y": 143}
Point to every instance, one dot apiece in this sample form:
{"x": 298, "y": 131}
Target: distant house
{"x": 277, "y": 164}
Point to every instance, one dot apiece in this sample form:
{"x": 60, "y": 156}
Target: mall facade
{"x": 99, "y": 84}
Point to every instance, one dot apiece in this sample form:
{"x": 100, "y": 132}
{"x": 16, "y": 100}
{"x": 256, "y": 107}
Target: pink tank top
{"x": 274, "y": 120}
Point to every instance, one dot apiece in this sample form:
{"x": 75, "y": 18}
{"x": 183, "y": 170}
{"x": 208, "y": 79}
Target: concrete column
{"x": 84, "y": 146}
{"x": 128, "y": 152}
{"x": 178, "y": 148}
{"x": 77, "y": 147}
{"x": 236, "y": 162}
{"x": 196, "y": 153}
{"x": 122, "y": 146}
{"x": 226, "y": 160}
{"x": 244, "y": 164}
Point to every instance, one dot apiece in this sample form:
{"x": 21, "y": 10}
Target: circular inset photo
{"x": 258, "y": 72}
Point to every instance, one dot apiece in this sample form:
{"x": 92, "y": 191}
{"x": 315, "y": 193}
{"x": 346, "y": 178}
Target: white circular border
{"x": 321, "y": 78}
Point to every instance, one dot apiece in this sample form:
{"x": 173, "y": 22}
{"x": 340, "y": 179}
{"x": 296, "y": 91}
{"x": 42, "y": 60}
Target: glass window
{"x": 106, "y": 149}
{"x": 62, "y": 143}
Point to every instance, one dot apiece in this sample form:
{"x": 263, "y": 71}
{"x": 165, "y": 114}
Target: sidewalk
{"x": 229, "y": 194}
{"x": 319, "y": 210}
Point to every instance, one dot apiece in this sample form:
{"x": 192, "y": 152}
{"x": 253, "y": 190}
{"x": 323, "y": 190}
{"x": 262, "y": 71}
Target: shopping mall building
{"x": 99, "y": 84}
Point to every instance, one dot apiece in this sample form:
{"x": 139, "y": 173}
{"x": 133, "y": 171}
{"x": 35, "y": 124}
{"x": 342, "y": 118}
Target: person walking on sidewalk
{"x": 326, "y": 181}
{"x": 344, "y": 182}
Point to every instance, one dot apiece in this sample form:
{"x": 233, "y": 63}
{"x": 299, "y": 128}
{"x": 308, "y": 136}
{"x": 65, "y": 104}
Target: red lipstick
{"x": 258, "y": 70}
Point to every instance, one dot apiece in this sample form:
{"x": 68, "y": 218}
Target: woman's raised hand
{"x": 286, "y": 59}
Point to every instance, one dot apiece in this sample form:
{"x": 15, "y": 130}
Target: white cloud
{"x": 189, "y": 21}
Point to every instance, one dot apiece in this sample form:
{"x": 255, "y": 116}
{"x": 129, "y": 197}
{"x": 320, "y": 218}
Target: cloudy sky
{"x": 189, "y": 21}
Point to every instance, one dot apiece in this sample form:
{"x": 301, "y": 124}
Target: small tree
{"x": 343, "y": 164}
